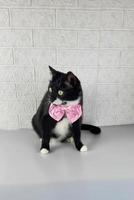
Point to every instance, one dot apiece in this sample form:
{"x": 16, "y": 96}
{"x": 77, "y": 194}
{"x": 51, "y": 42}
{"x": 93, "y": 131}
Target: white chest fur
{"x": 62, "y": 128}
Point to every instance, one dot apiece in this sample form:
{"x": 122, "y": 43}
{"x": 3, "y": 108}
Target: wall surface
{"x": 93, "y": 38}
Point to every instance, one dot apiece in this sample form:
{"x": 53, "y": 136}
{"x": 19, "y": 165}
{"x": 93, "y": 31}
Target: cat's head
{"x": 64, "y": 87}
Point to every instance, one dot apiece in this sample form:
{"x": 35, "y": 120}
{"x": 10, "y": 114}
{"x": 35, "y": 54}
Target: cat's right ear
{"x": 52, "y": 70}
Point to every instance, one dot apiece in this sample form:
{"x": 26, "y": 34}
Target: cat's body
{"x": 63, "y": 90}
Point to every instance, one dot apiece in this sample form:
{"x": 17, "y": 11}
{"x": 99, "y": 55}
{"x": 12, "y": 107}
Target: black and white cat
{"x": 64, "y": 89}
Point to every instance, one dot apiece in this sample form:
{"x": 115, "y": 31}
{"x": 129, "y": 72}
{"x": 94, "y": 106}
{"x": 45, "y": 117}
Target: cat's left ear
{"x": 52, "y": 70}
{"x": 72, "y": 79}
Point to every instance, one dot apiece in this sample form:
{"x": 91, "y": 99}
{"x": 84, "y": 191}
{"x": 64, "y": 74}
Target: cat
{"x": 60, "y": 113}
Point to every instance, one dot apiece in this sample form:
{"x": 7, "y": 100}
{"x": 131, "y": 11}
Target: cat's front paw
{"x": 83, "y": 148}
{"x": 44, "y": 151}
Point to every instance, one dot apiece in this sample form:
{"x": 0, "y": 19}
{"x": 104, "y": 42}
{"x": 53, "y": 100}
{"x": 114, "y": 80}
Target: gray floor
{"x": 106, "y": 171}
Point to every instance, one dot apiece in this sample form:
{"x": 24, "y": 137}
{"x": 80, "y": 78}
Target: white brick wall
{"x": 55, "y": 38}
{"x": 32, "y": 18}
{"x": 4, "y": 18}
{"x": 77, "y": 57}
{"x": 92, "y": 38}
{"x": 15, "y": 38}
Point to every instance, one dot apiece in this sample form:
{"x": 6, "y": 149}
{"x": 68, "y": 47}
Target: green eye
{"x": 50, "y": 89}
{"x": 60, "y": 92}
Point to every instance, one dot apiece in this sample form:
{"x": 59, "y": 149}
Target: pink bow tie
{"x": 72, "y": 112}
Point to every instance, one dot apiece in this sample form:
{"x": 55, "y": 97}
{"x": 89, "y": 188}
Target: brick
{"x": 127, "y": 75}
{"x": 34, "y": 56}
{"x": 7, "y": 91}
{"x": 8, "y": 121}
{"x": 126, "y": 111}
{"x": 4, "y": 18}
{"x": 113, "y": 3}
{"x": 6, "y": 56}
{"x": 117, "y": 4}
{"x": 55, "y": 3}
{"x": 25, "y": 121}
{"x": 106, "y": 111}
{"x": 109, "y": 57}
{"x": 112, "y": 19}
{"x": 25, "y": 89}
{"x": 26, "y": 106}
{"x": 77, "y": 57}
{"x": 129, "y": 19}
{"x": 15, "y": 2}
{"x": 108, "y": 91}
{"x": 41, "y": 88}
{"x": 126, "y": 92}
{"x": 128, "y": 39}
{"x": 89, "y": 3}
{"x": 107, "y": 104}
{"x": 55, "y": 38}
{"x": 15, "y": 74}
{"x": 42, "y": 74}
{"x": 89, "y": 96}
{"x": 20, "y": 106}
{"x": 32, "y": 18}
{"x": 126, "y": 108}
{"x": 6, "y": 75}
{"x": 77, "y": 19}
{"x": 117, "y": 39}
{"x": 108, "y": 76}
{"x": 23, "y": 74}
{"x": 86, "y": 75}
{"x": 15, "y": 38}
{"x": 128, "y": 3}
{"x": 127, "y": 57}
{"x": 88, "y": 39}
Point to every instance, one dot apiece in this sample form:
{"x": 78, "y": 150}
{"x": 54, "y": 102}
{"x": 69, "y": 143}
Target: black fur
{"x": 43, "y": 124}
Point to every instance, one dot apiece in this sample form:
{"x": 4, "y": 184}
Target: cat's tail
{"x": 93, "y": 129}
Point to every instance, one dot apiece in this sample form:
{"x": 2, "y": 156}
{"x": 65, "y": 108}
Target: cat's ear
{"x": 52, "y": 70}
{"x": 71, "y": 79}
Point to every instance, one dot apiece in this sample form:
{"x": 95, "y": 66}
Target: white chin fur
{"x": 44, "y": 151}
{"x": 83, "y": 148}
{"x": 68, "y": 103}
{"x": 57, "y": 101}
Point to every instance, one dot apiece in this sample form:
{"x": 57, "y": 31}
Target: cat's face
{"x": 64, "y": 87}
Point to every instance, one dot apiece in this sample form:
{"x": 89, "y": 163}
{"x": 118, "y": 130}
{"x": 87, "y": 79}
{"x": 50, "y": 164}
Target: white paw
{"x": 83, "y": 148}
{"x": 44, "y": 151}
